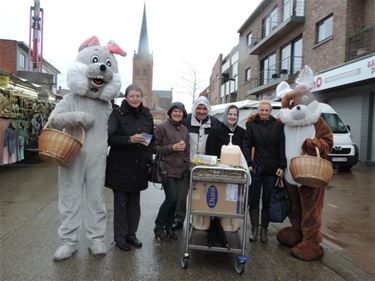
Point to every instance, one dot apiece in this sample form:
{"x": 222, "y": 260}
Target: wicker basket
{"x": 58, "y": 147}
{"x": 310, "y": 170}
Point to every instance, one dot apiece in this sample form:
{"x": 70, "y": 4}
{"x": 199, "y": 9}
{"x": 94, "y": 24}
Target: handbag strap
{"x": 279, "y": 182}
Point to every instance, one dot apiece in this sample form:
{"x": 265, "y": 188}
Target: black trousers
{"x": 127, "y": 212}
{"x": 182, "y": 194}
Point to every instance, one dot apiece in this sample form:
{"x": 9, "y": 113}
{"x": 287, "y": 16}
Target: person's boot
{"x": 171, "y": 235}
{"x": 254, "y": 219}
{"x": 264, "y": 227}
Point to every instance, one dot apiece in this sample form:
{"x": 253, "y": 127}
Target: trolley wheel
{"x": 239, "y": 264}
{"x": 184, "y": 262}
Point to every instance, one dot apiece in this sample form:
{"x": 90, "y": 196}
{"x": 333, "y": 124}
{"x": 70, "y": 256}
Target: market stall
{"x": 22, "y": 117}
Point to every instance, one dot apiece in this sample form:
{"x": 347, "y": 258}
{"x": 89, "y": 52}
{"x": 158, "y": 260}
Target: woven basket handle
{"x": 83, "y": 134}
{"x": 317, "y": 152}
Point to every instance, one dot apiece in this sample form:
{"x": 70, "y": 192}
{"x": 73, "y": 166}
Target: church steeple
{"x": 143, "y": 49}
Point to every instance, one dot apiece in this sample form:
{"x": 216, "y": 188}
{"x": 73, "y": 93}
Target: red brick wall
{"x": 8, "y": 55}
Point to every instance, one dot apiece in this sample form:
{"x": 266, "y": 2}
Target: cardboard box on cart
{"x": 217, "y": 197}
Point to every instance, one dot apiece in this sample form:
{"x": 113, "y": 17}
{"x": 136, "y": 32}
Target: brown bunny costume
{"x": 304, "y": 130}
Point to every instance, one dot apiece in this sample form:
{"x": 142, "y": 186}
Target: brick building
{"x": 15, "y": 60}
{"x": 335, "y": 38}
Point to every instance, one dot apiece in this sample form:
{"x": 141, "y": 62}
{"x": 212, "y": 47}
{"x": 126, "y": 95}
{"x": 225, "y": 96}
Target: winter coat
{"x": 127, "y": 163}
{"x": 198, "y": 131}
{"x": 219, "y": 136}
{"x": 267, "y": 137}
{"x": 166, "y": 135}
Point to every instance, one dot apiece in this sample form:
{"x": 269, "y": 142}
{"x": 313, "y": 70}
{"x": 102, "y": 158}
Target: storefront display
{"x": 22, "y": 118}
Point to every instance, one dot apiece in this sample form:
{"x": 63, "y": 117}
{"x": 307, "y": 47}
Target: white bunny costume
{"x": 94, "y": 80}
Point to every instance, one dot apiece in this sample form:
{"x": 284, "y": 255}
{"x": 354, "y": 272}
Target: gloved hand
{"x": 308, "y": 146}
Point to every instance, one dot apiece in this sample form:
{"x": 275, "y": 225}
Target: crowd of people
{"x": 178, "y": 139}
{"x": 267, "y": 145}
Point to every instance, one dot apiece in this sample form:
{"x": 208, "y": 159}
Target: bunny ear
{"x": 306, "y": 77}
{"x": 92, "y": 41}
{"x": 282, "y": 89}
{"x": 115, "y": 49}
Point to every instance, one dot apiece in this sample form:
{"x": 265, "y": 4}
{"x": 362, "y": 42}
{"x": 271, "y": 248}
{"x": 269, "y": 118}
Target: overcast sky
{"x": 184, "y": 35}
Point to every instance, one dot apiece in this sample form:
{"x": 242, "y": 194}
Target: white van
{"x": 344, "y": 154}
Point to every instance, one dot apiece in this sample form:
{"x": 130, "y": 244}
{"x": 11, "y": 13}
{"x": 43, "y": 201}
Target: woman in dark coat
{"x": 266, "y": 135}
{"x": 129, "y": 158}
{"x": 172, "y": 139}
{"x": 219, "y": 136}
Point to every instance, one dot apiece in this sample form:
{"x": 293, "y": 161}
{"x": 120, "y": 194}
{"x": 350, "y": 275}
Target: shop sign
{"x": 4, "y": 81}
{"x": 346, "y": 74}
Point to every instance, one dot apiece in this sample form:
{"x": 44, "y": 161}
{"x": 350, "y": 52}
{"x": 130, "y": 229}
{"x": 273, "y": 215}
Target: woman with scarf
{"x": 219, "y": 135}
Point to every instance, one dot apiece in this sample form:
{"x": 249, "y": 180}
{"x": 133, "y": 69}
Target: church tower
{"x": 143, "y": 65}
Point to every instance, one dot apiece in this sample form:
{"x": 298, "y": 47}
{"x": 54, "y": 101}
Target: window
{"x": 293, "y": 8}
{"x": 235, "y": 69}
{"x": 291, "y": 57}
{"x": 269, "y": 23}
{"x": 335, "y": 123}
{"x": 250, "y": 39}
{"x": 297, "y": 55}
{"x": 287, "y": 9}
{"x": 324, "y": 29}
{"x": 268, "y": 68}
{"x": 248, "y": 74}
{"x": 145, "y": 72}
{"x": 22, "y": 61}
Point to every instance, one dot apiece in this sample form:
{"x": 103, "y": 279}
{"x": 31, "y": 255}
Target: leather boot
{"x": 254, "y": 219}
{"x": 264, "y": 227}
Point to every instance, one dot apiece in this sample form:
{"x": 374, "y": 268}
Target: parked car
{"x": 344, "y": 154}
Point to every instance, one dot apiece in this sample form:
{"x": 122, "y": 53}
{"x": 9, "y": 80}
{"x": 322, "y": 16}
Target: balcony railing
{"x": 361, "y": 43}
{"x": 276, "y": 73}
{"x": 284, "y": 13}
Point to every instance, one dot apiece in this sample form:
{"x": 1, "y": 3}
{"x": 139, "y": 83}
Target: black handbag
{"x": 279, "y": 202}
{"x": 157, "y": 172}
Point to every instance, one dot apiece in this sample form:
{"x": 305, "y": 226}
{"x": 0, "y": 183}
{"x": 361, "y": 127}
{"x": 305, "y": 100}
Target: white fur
{"x": 312, "y": 114}
{"x": 282, "y": 89}
{"x": 77, "y": 78}
{"x": 294, "y": 138}
{"x": 81, "y": 185}
{"x": 306, "y": 77}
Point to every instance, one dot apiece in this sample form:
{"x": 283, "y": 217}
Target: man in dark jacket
{"x": 199, "y": 125}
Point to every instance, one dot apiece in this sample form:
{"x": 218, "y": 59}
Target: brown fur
{"x": 304, "y": 235}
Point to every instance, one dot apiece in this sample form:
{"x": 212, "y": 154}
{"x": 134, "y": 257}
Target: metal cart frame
{"x": 218, "y": 174}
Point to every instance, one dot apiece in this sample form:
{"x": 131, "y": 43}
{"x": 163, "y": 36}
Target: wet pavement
{"x": 28, "y": 238}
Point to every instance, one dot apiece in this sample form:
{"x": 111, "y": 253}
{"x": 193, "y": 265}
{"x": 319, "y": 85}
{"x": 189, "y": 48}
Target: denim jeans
{"x": 261, "y": 183}
{"x": 171, "y": 188}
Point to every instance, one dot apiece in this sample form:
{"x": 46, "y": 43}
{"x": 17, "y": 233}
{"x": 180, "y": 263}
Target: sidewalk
{"x": 28, "y": 239}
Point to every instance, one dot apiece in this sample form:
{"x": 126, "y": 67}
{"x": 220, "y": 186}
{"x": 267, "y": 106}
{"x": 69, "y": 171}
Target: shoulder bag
{"x": 157, "y": 172}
